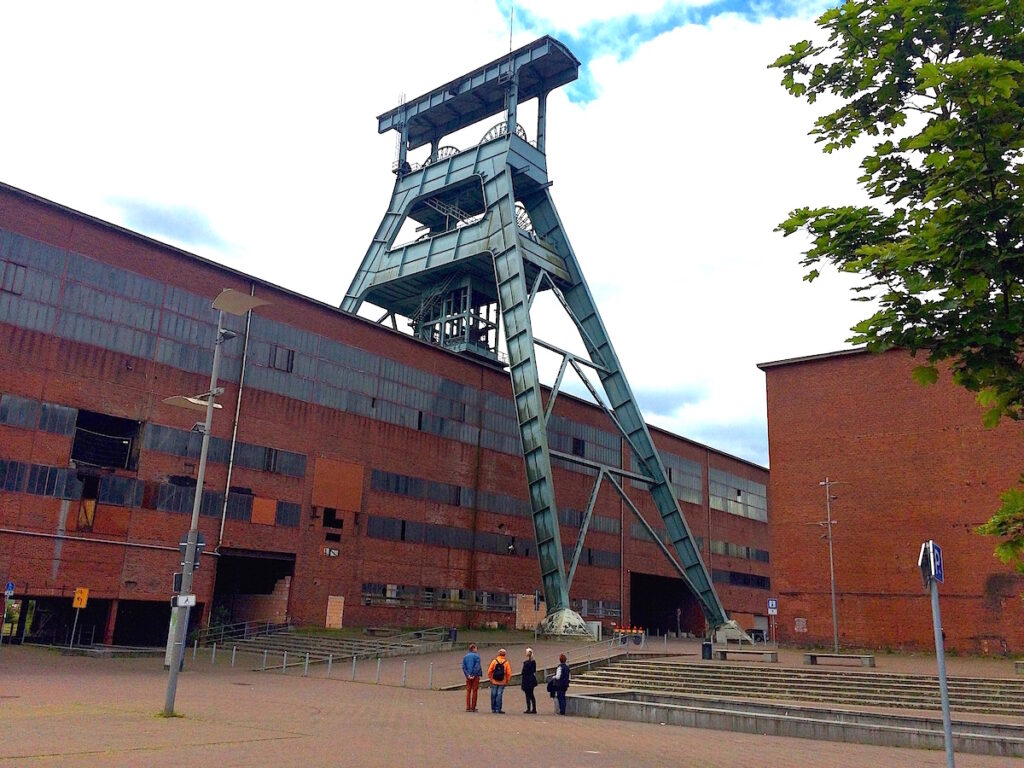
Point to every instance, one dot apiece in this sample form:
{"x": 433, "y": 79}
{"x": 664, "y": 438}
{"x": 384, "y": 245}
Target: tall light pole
{"x": 234, "y": 303}
{"x": 829, "y": 522}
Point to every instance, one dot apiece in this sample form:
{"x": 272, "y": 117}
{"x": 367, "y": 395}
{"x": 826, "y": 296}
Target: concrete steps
{"x": 321, "y": 648}
{"x": 756, "y": 682}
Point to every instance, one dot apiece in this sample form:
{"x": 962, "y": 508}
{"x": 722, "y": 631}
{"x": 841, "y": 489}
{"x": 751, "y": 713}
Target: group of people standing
{"x": 499, "y": 674}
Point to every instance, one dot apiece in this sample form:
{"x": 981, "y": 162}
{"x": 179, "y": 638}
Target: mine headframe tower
{"x": 491, "y": 242}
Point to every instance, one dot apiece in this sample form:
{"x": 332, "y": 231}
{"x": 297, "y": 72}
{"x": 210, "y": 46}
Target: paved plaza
{"x": 76, "y": 711}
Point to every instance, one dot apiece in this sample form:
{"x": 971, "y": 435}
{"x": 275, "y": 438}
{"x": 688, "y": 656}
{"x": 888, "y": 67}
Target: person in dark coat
{"x": 529, "y": 682}
{"x": 561, "y": 682}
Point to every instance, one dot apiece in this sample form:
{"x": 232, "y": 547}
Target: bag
{"x": 551, "y": 686}
{"x": 499, "y": 670}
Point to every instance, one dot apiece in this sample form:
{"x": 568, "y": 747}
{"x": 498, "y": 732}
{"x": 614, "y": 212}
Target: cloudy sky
{"x": 246, "y": 133}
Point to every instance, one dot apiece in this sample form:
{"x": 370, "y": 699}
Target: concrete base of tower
{"x": 564, "y": 622}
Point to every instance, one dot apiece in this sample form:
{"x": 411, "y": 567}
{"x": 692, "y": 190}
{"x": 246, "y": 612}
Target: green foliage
{"x": 1008, "y": 522}
{"x": 937, "y": 88}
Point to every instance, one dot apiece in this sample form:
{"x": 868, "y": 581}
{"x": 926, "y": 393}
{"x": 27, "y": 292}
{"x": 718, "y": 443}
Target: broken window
{"x": 105, "y": 441}
{"x": 332, "y": 520}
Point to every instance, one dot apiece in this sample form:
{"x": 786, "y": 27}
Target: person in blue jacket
{"x": 473, "y": 671}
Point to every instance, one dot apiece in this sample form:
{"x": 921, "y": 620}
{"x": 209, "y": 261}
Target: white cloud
{"x": 669, "y": 183}
{"x": 571, "y": 15}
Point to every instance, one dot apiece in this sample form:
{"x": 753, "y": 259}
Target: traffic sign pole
{"x": 930, "y": 563}
{"x": 74, "y": 627}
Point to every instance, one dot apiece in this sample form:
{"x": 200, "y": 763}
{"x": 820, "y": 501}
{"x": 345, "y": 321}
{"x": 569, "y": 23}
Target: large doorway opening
{"x": 661, "y": 604}
{"x": 252, "y": 586}
{"x": 144, "y": 622}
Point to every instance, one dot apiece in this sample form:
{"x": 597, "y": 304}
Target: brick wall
{"x": 912, "y": 463}
{"x": 140, "y": 554}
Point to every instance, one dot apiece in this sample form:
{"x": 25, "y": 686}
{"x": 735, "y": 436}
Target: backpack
{"x": 499, "y": 670}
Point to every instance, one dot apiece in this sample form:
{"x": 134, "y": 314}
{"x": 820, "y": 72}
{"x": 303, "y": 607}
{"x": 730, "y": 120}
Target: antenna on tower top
{"x": 511, "y": 18}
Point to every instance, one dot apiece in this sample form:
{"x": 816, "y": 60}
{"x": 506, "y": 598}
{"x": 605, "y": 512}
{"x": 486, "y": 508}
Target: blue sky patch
{"x": 182, "y": 224}
{"x": 621, "y": 36}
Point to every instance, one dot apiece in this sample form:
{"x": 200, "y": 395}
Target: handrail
{"x": 241, "y": 630}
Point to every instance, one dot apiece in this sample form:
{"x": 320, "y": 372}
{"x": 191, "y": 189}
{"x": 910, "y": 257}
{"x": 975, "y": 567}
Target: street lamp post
{"x": 234, "y": 303}
{"x": 829, "y": 522}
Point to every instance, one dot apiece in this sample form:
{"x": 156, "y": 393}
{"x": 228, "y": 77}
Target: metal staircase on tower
{"x": 493, "y": 241}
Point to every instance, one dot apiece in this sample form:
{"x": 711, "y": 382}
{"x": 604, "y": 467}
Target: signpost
{"x": 773, "y": 612}
{"x": 930, "y": 563}
{"x": 79, "y": 602}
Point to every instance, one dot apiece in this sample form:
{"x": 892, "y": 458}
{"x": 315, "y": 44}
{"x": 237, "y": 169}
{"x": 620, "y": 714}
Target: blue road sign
{"x": 9, "y": 589}
{"x": 936, "y": 562}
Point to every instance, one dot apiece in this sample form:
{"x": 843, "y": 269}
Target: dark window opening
{"x": 331, "y": 519}
{"x": 419, "y": 420}
{"x": 282, "y": 359}
{"x": 90, "y": 485}
{"x": 332, "y": 537}
{"x": 579, "y": 447}
{"x": 105, "y": 441}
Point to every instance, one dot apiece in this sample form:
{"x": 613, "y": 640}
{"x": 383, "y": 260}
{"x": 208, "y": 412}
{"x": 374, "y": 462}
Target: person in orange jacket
{"x": 498, "y": 673}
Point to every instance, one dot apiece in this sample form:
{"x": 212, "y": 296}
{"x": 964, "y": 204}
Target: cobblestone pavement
{"x": 74, "y": 711}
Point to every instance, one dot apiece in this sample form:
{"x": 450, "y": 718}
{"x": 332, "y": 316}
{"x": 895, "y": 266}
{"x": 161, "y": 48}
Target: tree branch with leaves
{"x": 937, "y": 88}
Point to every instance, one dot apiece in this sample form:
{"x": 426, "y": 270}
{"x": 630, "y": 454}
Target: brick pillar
{"x": 108, "y": 632}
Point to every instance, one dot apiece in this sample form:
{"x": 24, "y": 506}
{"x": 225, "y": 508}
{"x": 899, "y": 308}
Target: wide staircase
{"x": 284, "y": 642}
{"x": 846, "y": 687}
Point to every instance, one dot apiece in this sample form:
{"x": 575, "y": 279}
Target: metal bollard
{"x": 430, "y": 677}
{"x": 213, "y": 653}
{"x": 195, "y": 649}
{"x": 305, "y": 668}
{"x": 264, "y": 667}
{"x": 404, "y": 662}
{"x": 353, "y": 669}
{"x": 234, "y": 650}
{"x": 377, "y": 680}
{"x": 330, "y": 663}
{"x": 666, "y": 642}
{"x": 284, "y": 662}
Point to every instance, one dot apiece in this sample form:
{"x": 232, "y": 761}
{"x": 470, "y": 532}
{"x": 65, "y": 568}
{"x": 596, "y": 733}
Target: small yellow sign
{"x": 81, "y": 597}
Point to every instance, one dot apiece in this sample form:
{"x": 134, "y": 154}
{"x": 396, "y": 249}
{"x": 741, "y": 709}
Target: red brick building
{"x": 350, "y": 461}
{"x": 911, "y": 463}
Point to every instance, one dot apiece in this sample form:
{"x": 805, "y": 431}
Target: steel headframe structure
{"x": 492, "y": 242}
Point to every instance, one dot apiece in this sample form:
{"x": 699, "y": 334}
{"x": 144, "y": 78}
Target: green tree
{"x": 936, "y": 87}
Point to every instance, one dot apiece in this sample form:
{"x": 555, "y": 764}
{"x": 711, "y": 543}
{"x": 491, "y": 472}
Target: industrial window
{"x": 240, "y": 504}
{"x": 282, "y": 358}
{"x": 331, "y": 519}
{"x": 332, "y": 537}
{"x": 579, "y": 447}
{"x": 118, "y": 491}
{"x": 12, "y": 475}
{"x": 57, "y": 419}
{"x": 53, "y": 481}
{"x": 291, "y": 464}
{"x": 18, "y": 411}
{"x": 288, "y": 514}
{"x": 12, "y": 277}
{"x": 737, "y": 579}
{"x": 177, "y": 495}
{"x": 105, "y": 441}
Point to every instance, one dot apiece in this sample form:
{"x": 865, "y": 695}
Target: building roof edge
{"x": 812, "y": 358}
